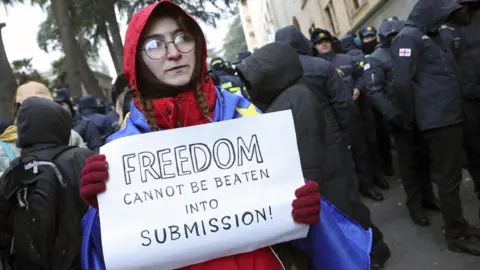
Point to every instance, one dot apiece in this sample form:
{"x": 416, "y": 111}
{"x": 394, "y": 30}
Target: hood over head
{"x": 388, "y": 28}
{"x": 134, "y": 69}
{"x": 42, "y": 121}
{"x": 88, "y": 102}
{"x": 294, "y": 37}
{"x": 429, "y": 15}
{"x": 266, "y": 74}
{"x": 348, "y": 42}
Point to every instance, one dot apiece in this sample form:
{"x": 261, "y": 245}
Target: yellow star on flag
{"x": 250, "y": 111}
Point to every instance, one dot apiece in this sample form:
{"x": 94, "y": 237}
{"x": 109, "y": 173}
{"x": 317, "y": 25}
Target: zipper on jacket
{"x": 276, "y": 256}
{"x": 177, "y": 110}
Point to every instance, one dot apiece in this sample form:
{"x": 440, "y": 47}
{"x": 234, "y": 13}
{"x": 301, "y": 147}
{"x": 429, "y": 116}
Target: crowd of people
{"x": 412, "y": 87}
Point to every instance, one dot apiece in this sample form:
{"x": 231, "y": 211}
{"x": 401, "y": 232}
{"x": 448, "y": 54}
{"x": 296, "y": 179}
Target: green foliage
{"x": 24, "y": 72}
{"x": 235, "y": 41}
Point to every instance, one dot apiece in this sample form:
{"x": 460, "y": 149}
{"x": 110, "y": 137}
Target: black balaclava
{"x": 369, "y": 47}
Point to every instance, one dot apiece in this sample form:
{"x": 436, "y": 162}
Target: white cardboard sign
{"x": 185, "y": 196}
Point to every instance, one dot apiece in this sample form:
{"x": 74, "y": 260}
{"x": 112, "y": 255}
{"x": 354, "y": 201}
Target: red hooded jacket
{"x": 182, "y": 110}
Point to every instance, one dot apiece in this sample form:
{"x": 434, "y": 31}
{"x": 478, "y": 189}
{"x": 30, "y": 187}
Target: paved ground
{"x": 416, "y": 248}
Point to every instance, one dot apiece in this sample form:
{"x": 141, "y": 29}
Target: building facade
{"x": 261, "y": 18}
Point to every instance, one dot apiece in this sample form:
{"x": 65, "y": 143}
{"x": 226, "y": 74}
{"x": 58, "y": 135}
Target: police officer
{"x": 428, "y": 91}
{"x": 321, "y": 77}
{"x": 350, "y": 47}
{"x": 225, "y": 79}
{"x": 368, "y": 38}
{"x": 84, "y": 127}
{"x": 241, "y": 56}
{"x": 411, "y": 147}
{"x": 460, "y": 35}
{"x": 351, "y": 72}
{"x": 368, "y": 43}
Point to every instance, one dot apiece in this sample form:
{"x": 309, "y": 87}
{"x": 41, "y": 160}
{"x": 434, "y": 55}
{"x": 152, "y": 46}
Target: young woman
{"x": 165, "y": 65}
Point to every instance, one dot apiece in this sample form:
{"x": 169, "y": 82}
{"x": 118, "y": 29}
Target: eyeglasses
{"x": 156, "y": 48}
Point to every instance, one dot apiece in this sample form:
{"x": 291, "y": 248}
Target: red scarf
{"x": 183, "y": 110}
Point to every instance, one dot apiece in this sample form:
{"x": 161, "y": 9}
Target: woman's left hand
{"x": 306, "y": 207}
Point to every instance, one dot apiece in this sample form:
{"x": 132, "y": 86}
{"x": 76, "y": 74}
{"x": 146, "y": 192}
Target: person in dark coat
{"x": 272, "y": 93}
{"x": 89, "y": 109}
{"x": 84, "y": 127}
{"x": 368, "y": 38}
{"x": 428, "y": 91}
{"x": 368, "y": 43}
{"x": 43, "y": 130}
{"x": 351, "y": 72}
{"x": 461, "y": 35}
{"x": 411, "y": 147}
{"x": 320, "y": 76}
{"x": 350, "y": 47}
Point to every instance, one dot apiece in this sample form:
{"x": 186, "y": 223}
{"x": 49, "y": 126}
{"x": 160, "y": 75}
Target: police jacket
{"x": 465, "y": 43}
{"x": 378, "y": 78}
{"x": 426, "y": 81}
{"x": 87, "y": 131}
{"x": 348, "y": 67}
{"x": 321, "y": 78}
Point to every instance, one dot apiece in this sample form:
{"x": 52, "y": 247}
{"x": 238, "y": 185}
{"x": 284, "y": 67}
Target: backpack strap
{"x": 7, "y": 150}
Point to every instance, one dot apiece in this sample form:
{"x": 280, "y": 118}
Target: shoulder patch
{"x": 366, "y": 67}
{"x": 405, "y": 52}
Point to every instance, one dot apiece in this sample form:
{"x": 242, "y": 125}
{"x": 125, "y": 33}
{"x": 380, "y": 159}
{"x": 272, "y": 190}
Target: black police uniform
{"x": 412, "y": 151}
{"x": 428, "y": 90}
{"x": 351, "y": 71}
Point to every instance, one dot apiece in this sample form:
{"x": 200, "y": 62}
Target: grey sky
{"x": 20, "y": 37}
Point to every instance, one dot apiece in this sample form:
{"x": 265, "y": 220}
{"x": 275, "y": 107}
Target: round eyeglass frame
{"x": 166, "y": 47}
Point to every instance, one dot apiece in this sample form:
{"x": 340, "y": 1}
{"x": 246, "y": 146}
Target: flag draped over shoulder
{"x": 335, "y": 242}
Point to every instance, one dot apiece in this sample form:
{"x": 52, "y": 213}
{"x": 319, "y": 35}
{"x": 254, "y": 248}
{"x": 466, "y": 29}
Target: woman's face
{"x": 168, "y": 51}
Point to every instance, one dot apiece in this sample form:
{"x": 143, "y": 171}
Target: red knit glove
{"x": 94, "y": 176}
{"x": 306, "y": 207}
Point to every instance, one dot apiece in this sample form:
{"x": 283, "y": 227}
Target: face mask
{"x": 369, "y": 47}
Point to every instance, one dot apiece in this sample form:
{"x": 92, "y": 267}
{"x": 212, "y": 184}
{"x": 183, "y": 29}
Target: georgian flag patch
{"x": 405, "y": 52}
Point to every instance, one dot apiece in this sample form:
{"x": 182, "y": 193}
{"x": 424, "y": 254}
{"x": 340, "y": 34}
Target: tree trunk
{"x": 70, "y": 46}
{"x": 88, "y": 77}
{"x": 7, "y": 82}
{"x": 78, "y": 71}
{"x": 114, "y": 29}
{"x": 110, "y": 48}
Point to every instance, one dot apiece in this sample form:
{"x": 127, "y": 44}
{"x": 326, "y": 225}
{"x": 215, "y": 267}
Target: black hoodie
{"x": 273, "y": 81}
{"x": 273, "y": 84}
{"x": 426, "y": 81}
{"x": 322, "y": 78}
{"x": 42, "y": 122}
{"x": 43, "y": 129}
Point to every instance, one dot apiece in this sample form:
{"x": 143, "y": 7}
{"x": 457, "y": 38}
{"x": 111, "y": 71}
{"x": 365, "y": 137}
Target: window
{"x": 331, "y": 17}
{"x": 251, "y": 34}
{"x": 355, "y": 5}
{"x": 248, "y": 19}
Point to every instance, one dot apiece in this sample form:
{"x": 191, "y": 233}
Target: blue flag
{"x": 335, "y": 242}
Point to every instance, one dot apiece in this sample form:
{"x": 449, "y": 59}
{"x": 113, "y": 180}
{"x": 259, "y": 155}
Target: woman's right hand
{"x": 94, "y": 176}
